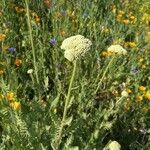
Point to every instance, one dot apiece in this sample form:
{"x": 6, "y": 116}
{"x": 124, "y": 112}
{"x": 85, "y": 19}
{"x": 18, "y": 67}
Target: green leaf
{"x": 68, "y": 121}
{"x": 55, "y": 102}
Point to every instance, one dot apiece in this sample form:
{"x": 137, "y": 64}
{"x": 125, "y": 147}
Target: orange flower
{"x": 37, "y": 19}
{"x": 19, "y": 10}
{"x": 47, "y": 3}
{"x": 15, "y": 105}
{"x": 62, "y": 33}
{"x": 2, "y": 37}
{"x": 1, "y": 14}
{"x": 18, "y": 62}
{"x": 10, "y": 96}
{"x": 1, "y": 72}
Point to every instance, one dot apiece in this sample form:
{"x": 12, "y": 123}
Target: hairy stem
{"x": 58, "y": 139}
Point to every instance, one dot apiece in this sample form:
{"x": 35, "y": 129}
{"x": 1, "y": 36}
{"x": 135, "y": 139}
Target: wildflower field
{"x": 74, "y": 75}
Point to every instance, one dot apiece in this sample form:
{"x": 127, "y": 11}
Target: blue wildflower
{"x": 12, "y": 49}
{"x": 53, "y": 41}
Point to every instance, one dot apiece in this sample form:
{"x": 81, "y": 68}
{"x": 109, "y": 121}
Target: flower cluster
{"x": 10, "y": 97}
{"x": 125, "y": 18}
{"x": 75, "y": 47}
{"x": 117, "y": 49}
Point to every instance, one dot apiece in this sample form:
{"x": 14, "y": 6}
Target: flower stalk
{"x": 31, "y": 41}
{"x": 100, "y": 82}
{"x": 59, "y": 136}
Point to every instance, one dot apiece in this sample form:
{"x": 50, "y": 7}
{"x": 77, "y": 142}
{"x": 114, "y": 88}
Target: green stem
{"x": 100, "y": 82}
{"x": 31, "y": 41}
{"x": 58, "y": 140}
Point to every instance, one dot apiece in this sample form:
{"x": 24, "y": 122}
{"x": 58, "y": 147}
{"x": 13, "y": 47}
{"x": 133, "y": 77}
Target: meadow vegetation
{"x": 50, "y": 102}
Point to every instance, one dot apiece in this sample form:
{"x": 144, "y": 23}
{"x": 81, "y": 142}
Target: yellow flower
{"x": 129, "y": 91}
{"x": 34, "y": 14}
{"x": 144, "y": 109}
{"x": 142, "y": 88}
{"x": 15, "y": 105}
{"x": 10, "y": 96}
{"x": 37, "y": 19}
{"x": 107, "y": 53}
{"x": 118, "y": 18}
{"x": 139, "y": 98}
{"x": 146, "y": 18}
{"x": 18, "y": 62}
{"x": 141, "y": 60}
{"x": 132, "y": 44}
{"x": 126, "y": 21}
{"x": 2, "y": 37}
{"x": 127, "y": 105}
{"x": 120, "y": 12}
{"x": 1, "y": 72}
{"x": 132, "y": 17}
{"x": 143, "y": 66}
{"x": 104, "y": 53}
{"x": 147, "y": 95}
{"x": 149, "y": 78}
{"x": 1, "y": 96}
{"x": 113, "y": 8}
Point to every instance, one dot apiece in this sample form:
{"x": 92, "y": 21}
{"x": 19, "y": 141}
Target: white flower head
{"x": 114, "y": 145}
{"x": 75, "y": 47}
{"x": 124, "y": 93}
{"x": 117, "y": 49}
{"x": 30, "y": 71}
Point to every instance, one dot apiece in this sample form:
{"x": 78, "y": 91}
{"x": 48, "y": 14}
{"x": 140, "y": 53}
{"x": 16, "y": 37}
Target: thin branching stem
{"x": 104, "y": 73}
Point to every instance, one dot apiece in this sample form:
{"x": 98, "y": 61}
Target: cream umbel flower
{"x": 114, "y": 145}
{"x": 75, "y": 47}
{"x": 117, "y": 49}
{"x": 124, "y": 93}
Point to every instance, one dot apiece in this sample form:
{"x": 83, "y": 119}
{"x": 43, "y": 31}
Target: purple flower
{"x": 144, "y": 131}
{"x": 12, "y": 49}
{"x": 53, "y": 41}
